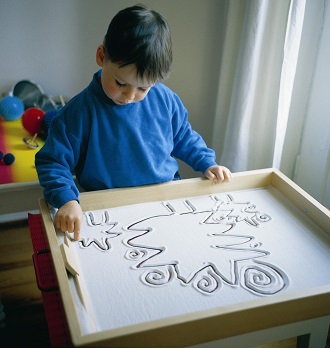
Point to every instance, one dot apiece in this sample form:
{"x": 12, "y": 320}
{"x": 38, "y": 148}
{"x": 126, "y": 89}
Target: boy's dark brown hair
{"x": 140, "y": 36}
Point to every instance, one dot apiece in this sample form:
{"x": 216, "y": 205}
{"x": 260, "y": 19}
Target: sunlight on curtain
{"x": 290, "y": 59}
{"x": 256, "y": 78}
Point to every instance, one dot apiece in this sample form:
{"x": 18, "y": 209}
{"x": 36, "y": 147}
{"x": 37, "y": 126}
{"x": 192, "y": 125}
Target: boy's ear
{"x": 100, "y": 55}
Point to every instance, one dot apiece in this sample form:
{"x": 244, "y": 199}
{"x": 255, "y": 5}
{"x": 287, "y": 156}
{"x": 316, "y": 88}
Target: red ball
{"x": 31, "y": 120}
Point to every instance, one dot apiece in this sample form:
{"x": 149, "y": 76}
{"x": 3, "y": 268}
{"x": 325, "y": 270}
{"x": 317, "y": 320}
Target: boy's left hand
{"x": 217, "y": 174}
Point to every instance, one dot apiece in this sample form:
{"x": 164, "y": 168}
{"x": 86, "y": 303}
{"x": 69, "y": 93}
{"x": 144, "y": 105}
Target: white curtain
{"x": 260, "y": 53}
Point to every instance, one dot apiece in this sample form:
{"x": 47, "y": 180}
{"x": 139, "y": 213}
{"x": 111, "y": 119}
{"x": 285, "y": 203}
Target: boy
{"x": 126, "y": 127}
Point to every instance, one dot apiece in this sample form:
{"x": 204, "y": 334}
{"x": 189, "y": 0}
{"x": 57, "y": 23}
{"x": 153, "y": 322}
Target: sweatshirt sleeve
{"x": 55, "y": 162}
{"x": 189, "y": 146}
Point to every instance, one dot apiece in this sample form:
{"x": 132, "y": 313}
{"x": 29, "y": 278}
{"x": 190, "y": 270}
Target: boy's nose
{"x": 129, "y": 93}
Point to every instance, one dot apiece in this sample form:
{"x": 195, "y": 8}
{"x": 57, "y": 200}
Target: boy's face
{"x": 121, "y": 84}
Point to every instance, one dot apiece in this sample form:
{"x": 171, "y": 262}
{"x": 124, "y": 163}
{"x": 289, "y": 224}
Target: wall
{"x": 54, "y": 44}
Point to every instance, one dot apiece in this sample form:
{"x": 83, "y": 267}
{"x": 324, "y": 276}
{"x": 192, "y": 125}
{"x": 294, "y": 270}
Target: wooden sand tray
{"x": 187, "y": 262}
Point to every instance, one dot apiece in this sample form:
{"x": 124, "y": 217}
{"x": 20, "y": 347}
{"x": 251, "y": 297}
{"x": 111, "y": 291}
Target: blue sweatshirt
{"x": 109, "y": 145}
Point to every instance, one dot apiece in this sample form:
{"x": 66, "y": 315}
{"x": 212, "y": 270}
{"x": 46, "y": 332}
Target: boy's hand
{"x": 217, "y": 174}
{"x": 69, "y": 217}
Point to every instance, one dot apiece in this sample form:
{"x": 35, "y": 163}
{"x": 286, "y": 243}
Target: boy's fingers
{"x": 218, "y": 176}
{"x": 57, "y": 222}
{"x": 227, "y": 175}
{"x": 63, "y": 226}
{"x": 221, "y": 176}
{"x": 69, "y": 226}
{"x": 77, "y": 227}
{"x": 211, "y": 176}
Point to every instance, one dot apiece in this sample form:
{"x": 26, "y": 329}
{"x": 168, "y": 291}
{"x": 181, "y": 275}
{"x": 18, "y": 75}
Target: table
{"x": 263, "y": 312}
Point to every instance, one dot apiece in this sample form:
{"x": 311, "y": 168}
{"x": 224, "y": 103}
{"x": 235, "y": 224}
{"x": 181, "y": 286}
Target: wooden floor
{"x": 25, "y": 324}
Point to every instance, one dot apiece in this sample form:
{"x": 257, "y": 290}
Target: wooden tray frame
{"x": 201, "y": 326}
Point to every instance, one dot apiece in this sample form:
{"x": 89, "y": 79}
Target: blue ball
{"x": 9, "y": 159}
{"x": 46, "y": 121}
{"x": 11, "y": 108}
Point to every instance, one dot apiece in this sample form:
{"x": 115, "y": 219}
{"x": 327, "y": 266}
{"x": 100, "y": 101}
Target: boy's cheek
{"x": 144, "y": 95}
{"x": 111, "y": 92}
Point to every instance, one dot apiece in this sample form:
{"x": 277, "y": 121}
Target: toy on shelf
{"x": 31, "y": 120}
{"x": 8, "y": 158}
{"x": 48, "y": 119}
{"x": 27, "y": 101}
{"x": 62, "y": 101}
{"x": 11, "y": 108}
{"x": 46, "y": 122}
{"x": 23, "y": 130}
{"x": 31, "y": 142}
{"x": 46, "y": 103}
{"x": 28, "y": 91}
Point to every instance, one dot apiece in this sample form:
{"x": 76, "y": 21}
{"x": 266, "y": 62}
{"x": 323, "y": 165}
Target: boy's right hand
{"x": 69, "y": 218}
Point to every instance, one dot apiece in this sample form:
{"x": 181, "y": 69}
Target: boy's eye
{"x": 142, "y": 89}
{"x": 120, "y": 84}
